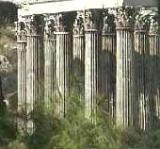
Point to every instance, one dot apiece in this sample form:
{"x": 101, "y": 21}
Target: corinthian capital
{"x": 21, "y": 31}
{"x": 78, "y": 26}
{"x": 141, "y": 23}
{"x": 91, "y": 22}
{"x": 60, "y": 23}
{"x": 108, "y": 23}
{"x": 154, "y": 26}
{"x": 50, "y": 23}
{"x": 35, "y": 25}
{"x": 125, "y": 17}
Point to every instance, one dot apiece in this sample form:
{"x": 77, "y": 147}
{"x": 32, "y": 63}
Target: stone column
{"x": 141, "y": 49}
{"x": 50, "y": 62}
{"x": 125, "y": 79}
{"x": 154, "y": 53}
{"x": 35, "y": 66}
{"x": 91, "y": 65}
{"x": 108, "y": 63}
{"x": 21, "y": 52}
{"x": 63, "y": 59}
{"x": 78, "y": 56}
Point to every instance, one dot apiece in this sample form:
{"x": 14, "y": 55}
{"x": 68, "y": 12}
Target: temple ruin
{"x": 91, "y": 48}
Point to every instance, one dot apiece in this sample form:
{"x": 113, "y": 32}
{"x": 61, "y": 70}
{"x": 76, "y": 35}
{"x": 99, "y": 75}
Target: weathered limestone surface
{"x": 67, "y": 5}
{"x": 22, "y": 72}
{"x": 141, "y": 49}
{"x": 154, "y": 49}
{"x": 50, "y": 62}
{"x": 125, "y": 79}
{"x": 35, "y": 65}
{"x": 107, "y": 60}
{"x": 21, "y": 52}
{"x": 78, "y": 55}
{"x": 63, "y": 63}
{"x": 91, "y": 64}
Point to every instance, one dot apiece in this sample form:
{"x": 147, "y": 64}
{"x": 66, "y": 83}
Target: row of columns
{"x": 110, "y": 60}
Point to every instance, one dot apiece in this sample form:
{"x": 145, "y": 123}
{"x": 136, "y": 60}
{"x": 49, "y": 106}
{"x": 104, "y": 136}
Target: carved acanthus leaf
{"x": 125, "y": 17}
{"x": 78, "y": 26}
{"x": 60, "y": 27}
{"x": 50, "y": 23}
{"x": 141, "y": 23}
{"x": 108, "y": 23}
{"x": 35, "y": 24}
{"x": 154, "y": 26}
{"x": 90, "y": 20}
{"x": 21, "y": 30}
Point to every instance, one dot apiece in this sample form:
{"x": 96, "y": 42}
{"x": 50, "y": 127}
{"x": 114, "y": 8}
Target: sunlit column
{"x": 35, "y": 66}
{"x": 63, "y": 60}
{"x": 50, "y": 62}
{"x": 91, "y": 64}
{"x": 21, "y": 52}
{"x": 125, "y": 78}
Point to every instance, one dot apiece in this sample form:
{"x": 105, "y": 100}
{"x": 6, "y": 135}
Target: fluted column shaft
{"x": 21, "y": 74}
{"x": 124, "y": 88}
{"x": 78, "y": 55}
{"x": 108, "y": 70}
{"x": 142, "y": 74}
{"x": 156, "y": 41}
{"x": 50, "y": 70}
{"x": 92, "y": 25}
{"x": 156, "y": 45}
{"x": 21, "y": 52}
{"x": 35, "y": 71}
{"x": 35, "y": 67}
{"x": 152, "y": 78}
{"x": 63, "y": 53}
{"x": 141, "y": 45}
{"x": 91, "y": 72}
{"x": 153, "y": 72}
{"x": 125, "y": 79}
{"x": 78, "y": 64}
{"x": 154, "y": 48}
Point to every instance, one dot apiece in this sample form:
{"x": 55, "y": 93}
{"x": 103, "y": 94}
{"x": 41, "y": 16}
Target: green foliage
{"x": 7, "y": 126}
{"x": 76, "y": 132}
{"x": 8, "y": 50}
{"x": 17, "y": 145}
{"x": 151, "y": 140}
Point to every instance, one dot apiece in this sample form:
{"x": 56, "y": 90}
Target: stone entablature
{"x": 56, "y": 6}
{"x": 44, "y": 1}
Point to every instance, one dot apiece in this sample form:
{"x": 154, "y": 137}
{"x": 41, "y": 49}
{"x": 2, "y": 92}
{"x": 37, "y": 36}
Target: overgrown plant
{"x": 74, "y": 131}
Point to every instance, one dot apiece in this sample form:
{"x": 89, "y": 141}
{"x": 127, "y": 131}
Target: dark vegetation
{"x": 74, "y": 132}
{"x": 8, "y": 13}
